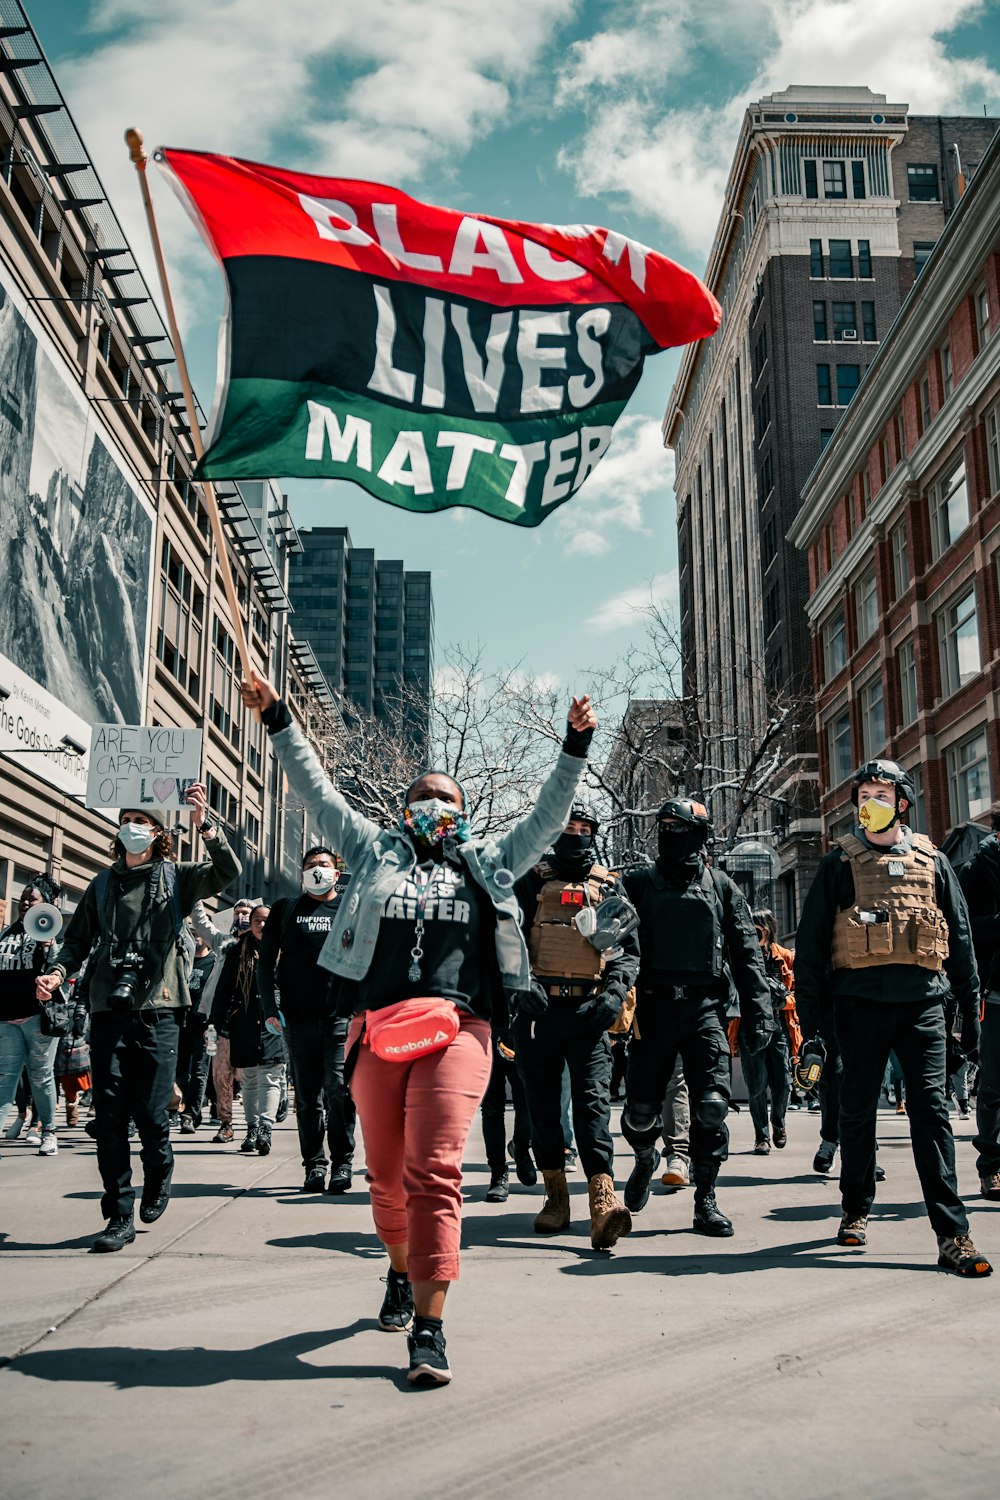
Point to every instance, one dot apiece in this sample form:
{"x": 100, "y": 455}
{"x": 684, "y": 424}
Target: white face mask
{"x": 135, "y": 838}
{"x": 318, "y": 880}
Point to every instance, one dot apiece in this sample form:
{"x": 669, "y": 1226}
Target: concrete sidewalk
{"x": 232, "y": 1351}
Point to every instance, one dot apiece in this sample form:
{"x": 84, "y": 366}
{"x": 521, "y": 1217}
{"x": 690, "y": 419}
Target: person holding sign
{"x": 131, "y": 916}
{"x": 428, "y": 932}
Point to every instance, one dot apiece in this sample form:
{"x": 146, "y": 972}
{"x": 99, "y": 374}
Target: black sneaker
{"x": 823, "y": 1160}
{"x": 282, "y": 1112}
{"x": 428, "y": 1360}
{"x": 315, "y": 1180}
{"x": 340, "y": 1179}
{"x": 636, "y": 1192}
{"x": 708, "y": 1216}
{"x": 396, "y": 1312}
{"x": 155, "y": 1197}
{"x": 527, "y": 1174}
{"x": 188, "y": 1126}
{"x": 263, "y": 1141}
{"x": 119, "y": 1233}
{"x": 249, "y": 1141}
{"x": 498, "y": 1188}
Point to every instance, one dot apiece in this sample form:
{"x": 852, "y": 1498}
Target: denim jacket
{"x": 378, "y": 858}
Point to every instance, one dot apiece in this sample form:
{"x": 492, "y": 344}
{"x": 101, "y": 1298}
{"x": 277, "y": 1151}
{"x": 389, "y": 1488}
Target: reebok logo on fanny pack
{"x": 420, "y": 1044}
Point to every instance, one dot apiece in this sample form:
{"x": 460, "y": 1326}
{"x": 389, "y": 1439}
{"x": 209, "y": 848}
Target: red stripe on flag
{"x": 250, "y": 209}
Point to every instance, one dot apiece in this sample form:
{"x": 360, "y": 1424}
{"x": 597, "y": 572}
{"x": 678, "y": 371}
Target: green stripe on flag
{"x": 517, "y": 472}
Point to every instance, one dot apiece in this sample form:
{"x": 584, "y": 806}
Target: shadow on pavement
{"x": 342, "y": 1242}
{"x": 126, "y": 1368}
{"x": 82, "y": 1242}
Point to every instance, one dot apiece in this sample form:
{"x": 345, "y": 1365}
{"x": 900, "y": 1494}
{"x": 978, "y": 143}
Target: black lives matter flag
{"x": 437, "y": 358}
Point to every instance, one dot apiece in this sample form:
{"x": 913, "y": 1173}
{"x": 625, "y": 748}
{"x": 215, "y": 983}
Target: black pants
{"x": 915, "y": 1031}
{"x": 493, "y": 1107}
{"x": 545, "y": 1045}
{"x": 695, "y": 1029}
{"x": 768, "y": 1070}
{"x": 987, "y": 1137}
{"x": 323, "y": 1105}
{"x": 829, "y": 1089}
{"x": 133, "y": 1061}
{"x": 193, "y": 1063}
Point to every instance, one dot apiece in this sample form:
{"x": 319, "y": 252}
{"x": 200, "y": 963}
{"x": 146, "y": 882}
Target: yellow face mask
{"x": 875, "y": 816}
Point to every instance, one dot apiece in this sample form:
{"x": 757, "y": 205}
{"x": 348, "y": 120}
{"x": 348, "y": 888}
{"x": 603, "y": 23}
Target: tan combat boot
{"x": 555, "y": 1211}
{"x": 72, "y": 1113}
{"x": 609, "y": 1219}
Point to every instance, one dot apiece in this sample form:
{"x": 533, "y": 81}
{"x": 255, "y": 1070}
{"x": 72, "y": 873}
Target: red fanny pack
{"x": 412, "y": 1028}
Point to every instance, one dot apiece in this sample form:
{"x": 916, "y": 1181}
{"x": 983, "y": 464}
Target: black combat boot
{"x": 708, "y": 1217}
{"x": 637, "y": 1188}
{"x": 120, "y": 1232}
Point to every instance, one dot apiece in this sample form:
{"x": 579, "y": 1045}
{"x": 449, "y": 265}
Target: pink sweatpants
{"x": 415, "y": 1119}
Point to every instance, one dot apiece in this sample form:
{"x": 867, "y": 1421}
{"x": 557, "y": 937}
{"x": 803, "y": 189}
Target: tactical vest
{"x": 557, "y": 950}
{"x": 895, "y": 918}
{"x": 681, "y": 930}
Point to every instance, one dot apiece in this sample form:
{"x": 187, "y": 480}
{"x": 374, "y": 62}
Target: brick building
{"x": 900, "y": 523}
{"x": 834, "y": 201}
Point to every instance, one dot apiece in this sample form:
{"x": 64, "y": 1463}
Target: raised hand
{"x": 257, "y": 693}
{"x": 581, "y": 714}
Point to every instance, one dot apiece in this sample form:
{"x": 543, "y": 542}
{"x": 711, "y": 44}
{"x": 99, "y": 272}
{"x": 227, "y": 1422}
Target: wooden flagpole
{"x": 140, "y": 159}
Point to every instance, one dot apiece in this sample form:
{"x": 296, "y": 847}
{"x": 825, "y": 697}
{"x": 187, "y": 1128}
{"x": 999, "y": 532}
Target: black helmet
{"x": 582, "y": 812}
{"x": 884, "y": 770}
{"x": 686, "y": 810}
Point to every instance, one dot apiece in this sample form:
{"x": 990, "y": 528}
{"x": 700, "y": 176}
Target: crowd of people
{"x": 422, "y": 973}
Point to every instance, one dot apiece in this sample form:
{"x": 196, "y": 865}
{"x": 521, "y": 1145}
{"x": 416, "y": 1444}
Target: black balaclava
{"x": 574, "y": 855}
{"x": 679, "y": 851}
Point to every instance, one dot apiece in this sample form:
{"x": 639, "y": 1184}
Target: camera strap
{"x": 107, "y": 906}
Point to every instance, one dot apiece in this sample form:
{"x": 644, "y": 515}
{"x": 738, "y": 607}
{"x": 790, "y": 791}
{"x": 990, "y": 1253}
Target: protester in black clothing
{"x": 493, "y": 1111}
{"x": 314, "y": 1032}
{"x": 138, "y": 990}
{"x": 579, "y": 993}
{"x": 694, "y": 932}
{"x": 980, "y": 880}
{"x": 884, "y": 932}
{"x": 193, "y": 1061}
{"x": 255, "y": 1048}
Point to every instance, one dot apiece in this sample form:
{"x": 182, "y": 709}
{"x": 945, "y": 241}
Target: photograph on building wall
{"x": 75, "y": 537}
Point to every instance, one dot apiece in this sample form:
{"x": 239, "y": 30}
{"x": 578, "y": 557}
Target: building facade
{"x": 900, "y": 525}
{"x": 111, "y": 606}
{"x": 369, "y": 623}
{"x": 834, "y": 201}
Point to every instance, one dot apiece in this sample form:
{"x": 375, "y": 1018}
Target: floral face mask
{"x": 432, "y": 821}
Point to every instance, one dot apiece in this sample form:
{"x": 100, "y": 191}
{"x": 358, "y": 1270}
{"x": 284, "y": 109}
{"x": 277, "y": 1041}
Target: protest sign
{"x": 134, "y": 766}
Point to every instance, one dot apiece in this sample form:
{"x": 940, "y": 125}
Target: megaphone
{"x": 43, "y": 921}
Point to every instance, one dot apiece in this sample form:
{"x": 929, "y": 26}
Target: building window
{"x": 969, "y": 778}
{"x": 848, "y": 380}
{"x": 917, "y": 817}
{"x": 815, "y": 257}
{"x": 841, "y": 756}
{"x": 922, "y": 182}
{"x": 924, "y": 392}
{"x": 769, "y": 544}
{"x": 825, "y": 434}
{"x": 982, "y": 315}
{"x": 864, "y": 259}
{"x": 760, "y": 354}
{"x": 899, "y": 426}
{"x": 809, "y": 169}
{"x": 858, "y": 179}
{"x": 764, "y": 413}
{"x": 949, "y": 509}
{"x": 993, "y": 447}
{"x": 866, "y": 598}
{"x": 958, "y": 640}
{"x": 834, "y": 180}
{"x": 819, "y": 321}
{"x": 906, "y": 659}
{"x": 845, "y": 320}
{"x": 900, "y": 544}
{"x": 868, "y": 331}
{"x": 766, "y": 477}
{"x": 840, "y": 259}
{"x": 947, "y": 371}
{"x": 772, "y": 610}
{"x": 866, "y": 491}
{"x": 834, "y": 645}
{"x": 872, "y": 717}
{"x": 824, "y": 391}
{"x": 921, "y": 254}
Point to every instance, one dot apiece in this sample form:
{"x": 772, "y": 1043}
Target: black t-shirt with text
{"x": 299, "y": 927}
{"x": 453, "y": 963}
{"x": 21, "y": 959}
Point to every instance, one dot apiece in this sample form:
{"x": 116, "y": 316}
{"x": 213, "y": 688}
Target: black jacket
{"x": 980, "y": 882}
{"x": 651, "y": 894}
{"x": 817, "y": 982}
{"x": 241, "y": 1016}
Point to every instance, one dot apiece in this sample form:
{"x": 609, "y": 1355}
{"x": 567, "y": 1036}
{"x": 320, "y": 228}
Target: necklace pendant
{"x": 413, "y": 973}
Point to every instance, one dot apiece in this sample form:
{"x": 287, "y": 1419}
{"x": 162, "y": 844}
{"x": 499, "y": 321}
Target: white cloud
{"x": 635, "y": 468}
{"x": 632, "y": 605}
{"x": 671, "y": 164}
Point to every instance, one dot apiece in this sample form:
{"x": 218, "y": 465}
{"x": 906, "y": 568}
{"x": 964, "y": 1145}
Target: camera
{"x": 127, "y": 992}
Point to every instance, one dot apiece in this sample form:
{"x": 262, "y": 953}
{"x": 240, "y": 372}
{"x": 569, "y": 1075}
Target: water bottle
{"x": 211, "y": 1041}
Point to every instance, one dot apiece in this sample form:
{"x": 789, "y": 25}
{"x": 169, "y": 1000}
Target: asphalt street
{"x": 233, "y": 1351}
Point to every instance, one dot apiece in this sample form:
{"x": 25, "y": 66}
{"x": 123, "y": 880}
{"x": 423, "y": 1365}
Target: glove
{"x": 752, "y": 1039}
{"x": 602, "y": 1010}
{"x": 970, "y": 1036}
{"x": 532, "y": 1002}
{"x": 79, "y": 1023}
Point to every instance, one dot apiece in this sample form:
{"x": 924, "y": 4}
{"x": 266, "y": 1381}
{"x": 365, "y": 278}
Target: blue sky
{"x": 622, "y": 114}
